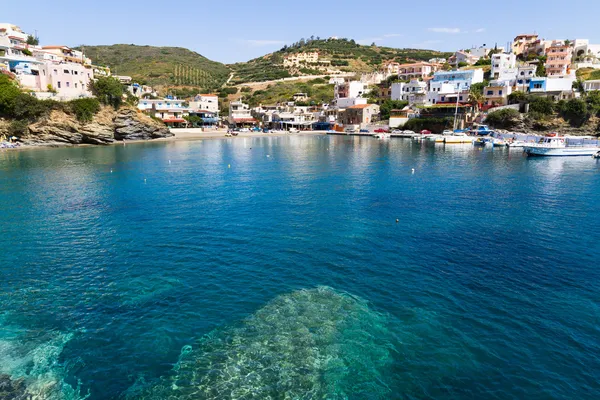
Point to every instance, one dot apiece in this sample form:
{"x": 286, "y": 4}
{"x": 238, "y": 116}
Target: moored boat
{"x": 559, "y": 146}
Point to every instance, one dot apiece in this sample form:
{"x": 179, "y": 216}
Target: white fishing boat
{"x": 516, "y": 144}
{"x": 496, "y": 142}
{"x": 559, "y": 146}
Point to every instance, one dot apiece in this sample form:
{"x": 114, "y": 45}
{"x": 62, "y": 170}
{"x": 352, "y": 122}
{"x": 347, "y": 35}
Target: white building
{"x": 171, "y": 111}
{"x": 502, "y": 62}
{"x": 463, "y": 57}
{"x": 351, "y": 89}
{"x": 590, "y": 86}
{"x": 586, "y": 55}
{"x": 345, "y": 102}
{"x": 461, "y": 80}
{"x": 240, "y": 114}
{"x": 524, "y": 75}
{"x": 554, "y": 88}
{"x": 206, "y": 102}
{"x": 415, "y": 92}
{"x": 483, "y": 51}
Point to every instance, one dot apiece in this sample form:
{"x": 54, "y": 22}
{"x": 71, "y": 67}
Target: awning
{"x": 243, "y": 120}
{"x": 174, "y": 120}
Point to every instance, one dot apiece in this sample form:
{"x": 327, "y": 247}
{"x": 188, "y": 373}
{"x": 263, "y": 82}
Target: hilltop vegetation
{"x": 317, "y": 90}
{"x": 344, "y": 54}
{"x": 161, "y": 67}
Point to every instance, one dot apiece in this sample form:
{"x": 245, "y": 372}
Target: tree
{"x": 462, "y": 64}
{"x": 108, "y": 90}
{"x": 541, "y": 105}
{"x": 576, "y": 112}
{"x": 483, "y": 61}
{"x": 33, "y": 40}
{"x": 541, "y": 67}
{"x": 194, "y": 120}
{"x": 517, "y": 97}
{"x": 388, "y": 105}
{"x": 504, "y": 119}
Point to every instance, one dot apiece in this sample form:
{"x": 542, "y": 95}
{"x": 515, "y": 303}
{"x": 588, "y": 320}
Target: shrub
{"x": 431, "y": 124}
{"x": 18, "y": 128}
{"x": 84, "y": 109}
{"x": 541, "y": 105}
{"x": 27, "y": 52}
{"x": 576, "y": 112}
{"x": 462, "y": 64}
{"x": 517, "y": 97}
{"x": 108, "y": 90}
{"x": 505, "y": 119}
{"x": 536, "y": 116}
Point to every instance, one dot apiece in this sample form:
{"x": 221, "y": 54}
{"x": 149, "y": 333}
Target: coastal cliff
{"x": 107, "y": 126}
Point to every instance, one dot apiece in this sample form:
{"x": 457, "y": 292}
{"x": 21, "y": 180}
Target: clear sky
{"x": 234, "y": 30}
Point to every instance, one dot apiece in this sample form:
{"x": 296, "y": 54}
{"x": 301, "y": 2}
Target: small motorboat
{"x": 496, "y": 142}
{"x": 382, "y": 136}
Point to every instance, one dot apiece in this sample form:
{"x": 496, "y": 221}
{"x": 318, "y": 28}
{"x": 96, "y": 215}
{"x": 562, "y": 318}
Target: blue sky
{"x": 231, "y": 31}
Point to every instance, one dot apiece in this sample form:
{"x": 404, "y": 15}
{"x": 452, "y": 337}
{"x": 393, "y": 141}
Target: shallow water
{"x": 250, "y": 268}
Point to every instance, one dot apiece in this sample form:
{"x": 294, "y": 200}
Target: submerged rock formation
{"x": 308, "y": 344}
{"x": 60, "y": 128}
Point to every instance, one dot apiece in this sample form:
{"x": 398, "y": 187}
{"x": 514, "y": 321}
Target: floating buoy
{"x": 169, "y": 161}
{"x": 397, "y": 220}
{"x": 111, "y": 170}
{"x": 144, "y": 180}
{"x": 413, "y": 170}
{"x": 228, "y": 165}
{"x": 268, "y": 156}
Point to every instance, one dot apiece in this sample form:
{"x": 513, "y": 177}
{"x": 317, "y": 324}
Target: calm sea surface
{"x": 275, "y": 268}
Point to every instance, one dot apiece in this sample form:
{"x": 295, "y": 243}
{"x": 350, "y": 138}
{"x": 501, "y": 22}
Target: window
{"x": 55, "y": 72}
{"x": 500, "y": 93}
{"x": 520, "y": 80}
{"x": 76, "y": 86}
{"x": 490, "y": 92}
{"x": 66, "y": 71}
{"x": 537, "y": 85}
{"x": 75, "y": 73}
{"x": 68, "y": 84}
{"x": 58, "y": 84}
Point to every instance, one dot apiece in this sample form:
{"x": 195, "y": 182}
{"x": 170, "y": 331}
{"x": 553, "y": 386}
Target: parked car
{"x": 244, "y": 130}
{"x": 364, "y": 131}
{"x": 381, "y": 130}
{"x": 425, "y": 132}
{"x": 397, "y": 131}
{"x": 409, "y": 132}
{"x": 293, "y": 130}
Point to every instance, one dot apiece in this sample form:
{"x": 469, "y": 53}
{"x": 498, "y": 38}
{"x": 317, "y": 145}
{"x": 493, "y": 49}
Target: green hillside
{"x": 345, "y": 54}
{"x": 161, "y": 67}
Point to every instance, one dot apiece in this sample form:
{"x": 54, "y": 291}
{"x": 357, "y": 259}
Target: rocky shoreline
{"x": 108, "y": 126}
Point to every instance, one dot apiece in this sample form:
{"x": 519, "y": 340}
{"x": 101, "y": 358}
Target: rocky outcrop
{"x": 12, "y": 389}
{"x": 131, "y": 125}
{"x": 60, "y": 128}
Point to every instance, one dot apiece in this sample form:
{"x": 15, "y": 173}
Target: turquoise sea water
{"x": 273, "y": 268}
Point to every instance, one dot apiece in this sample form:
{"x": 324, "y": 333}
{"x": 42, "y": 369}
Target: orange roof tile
{"x": 359, "y": 106}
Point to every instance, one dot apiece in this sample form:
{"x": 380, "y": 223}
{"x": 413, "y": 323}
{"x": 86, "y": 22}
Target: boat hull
{"x": 561, "y": 152}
